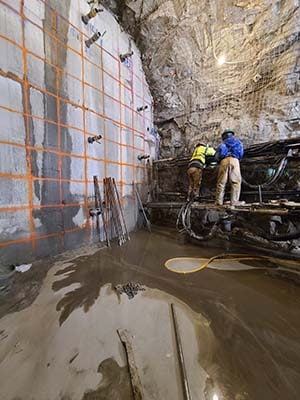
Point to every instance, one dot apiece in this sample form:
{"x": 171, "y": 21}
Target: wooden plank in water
{"x": 133, "y": 371}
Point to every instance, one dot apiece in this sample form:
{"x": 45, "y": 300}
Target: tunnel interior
{"x": 149, "y": 202}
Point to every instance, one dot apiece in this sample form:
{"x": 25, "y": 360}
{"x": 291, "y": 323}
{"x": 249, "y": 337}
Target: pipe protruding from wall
{"x": 143, "y": 156}
{"x": 96, "y": 138}
{"x": 94, "y": 11}
{"x": 123, "y": 57}
{"x": 142, "y": 108}
{"x": 94, "y": 212}
{"x": 94, "y": 38}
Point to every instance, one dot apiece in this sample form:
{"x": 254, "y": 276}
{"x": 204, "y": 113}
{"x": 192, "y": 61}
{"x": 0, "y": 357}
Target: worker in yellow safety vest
{"x": 195, "y": 167}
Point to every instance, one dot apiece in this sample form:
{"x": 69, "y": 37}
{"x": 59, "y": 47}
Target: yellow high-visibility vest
{"x": 201, "y": 151}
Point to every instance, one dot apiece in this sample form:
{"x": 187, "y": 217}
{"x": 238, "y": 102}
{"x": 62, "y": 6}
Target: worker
{"x": 195, "y": 167}
{"x": 229, "y": 153}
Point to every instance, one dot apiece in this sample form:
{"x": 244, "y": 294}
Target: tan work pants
{"x": 229, "y": 170}
{"x": 195, "y": 178}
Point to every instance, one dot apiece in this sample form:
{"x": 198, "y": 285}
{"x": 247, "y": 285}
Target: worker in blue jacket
{"x": 229, "y": 153}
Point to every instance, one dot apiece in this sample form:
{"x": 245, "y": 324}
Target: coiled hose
{"x": 183, "y": 223}
{"x": 273, "y": 179}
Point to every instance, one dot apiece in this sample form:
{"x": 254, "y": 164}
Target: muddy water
{"x": 248, "y": 343}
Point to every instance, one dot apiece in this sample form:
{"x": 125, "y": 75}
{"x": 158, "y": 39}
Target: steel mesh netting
{"x": 254, "y": 90}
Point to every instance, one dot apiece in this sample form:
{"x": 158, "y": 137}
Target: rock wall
{"x": 217, "y": 64}
{"x": 55, "y": 93}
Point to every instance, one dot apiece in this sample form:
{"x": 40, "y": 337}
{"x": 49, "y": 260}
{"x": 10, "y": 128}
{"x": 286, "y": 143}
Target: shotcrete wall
{"x": 54, "y": 94}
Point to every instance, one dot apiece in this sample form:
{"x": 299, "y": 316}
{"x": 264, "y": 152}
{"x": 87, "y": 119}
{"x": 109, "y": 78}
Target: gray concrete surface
{"x": 239, "y": 327}
{"x": 54, "y": 93}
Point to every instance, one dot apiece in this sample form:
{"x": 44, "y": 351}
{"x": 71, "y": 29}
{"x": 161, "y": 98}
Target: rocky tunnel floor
{"x": 239, "y": 329}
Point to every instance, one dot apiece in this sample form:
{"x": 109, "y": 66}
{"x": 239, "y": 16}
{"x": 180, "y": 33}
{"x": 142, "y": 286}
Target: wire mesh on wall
{"x": 223, "y": 64}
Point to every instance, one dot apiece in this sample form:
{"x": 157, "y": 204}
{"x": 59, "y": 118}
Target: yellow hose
{"x": 226, "y": 257}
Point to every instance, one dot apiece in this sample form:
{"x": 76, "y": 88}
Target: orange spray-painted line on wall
{"x": 54, "y": 34}
{"x": 27, "y": 129}
{"x": 39, "y": 237}
{"x": 85, "y": 141}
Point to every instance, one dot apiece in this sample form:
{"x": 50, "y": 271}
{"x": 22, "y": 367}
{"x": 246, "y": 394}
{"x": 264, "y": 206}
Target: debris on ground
{"x": 130, "y": 288}
{"x": 136, "y": 385}
{"x": 23, "y": 267}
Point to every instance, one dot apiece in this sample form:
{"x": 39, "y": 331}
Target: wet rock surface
{"x": 239, "y": 329}
{"x": 256, "y": 88}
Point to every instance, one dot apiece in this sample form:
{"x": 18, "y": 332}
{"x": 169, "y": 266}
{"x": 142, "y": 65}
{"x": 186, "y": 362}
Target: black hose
{"x": 273, "y": 179}
{"x": 276, "y": 147}
{"x": 184, "y": 217}
{"x": 284, "y": 237}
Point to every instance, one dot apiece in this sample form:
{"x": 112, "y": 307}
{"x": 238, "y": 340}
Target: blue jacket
{"x": 231, "y": 147}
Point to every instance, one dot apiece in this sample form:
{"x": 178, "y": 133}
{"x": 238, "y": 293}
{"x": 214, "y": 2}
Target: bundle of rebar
{"x": 99, "y": 210}
{"x": 114, "y": 215}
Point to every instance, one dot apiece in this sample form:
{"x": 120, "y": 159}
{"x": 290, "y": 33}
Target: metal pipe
{"x": 96, "y": 188}
{"x": 142, "y": 208}
{"x": 108, "y": 211}
{"x": 94, "y": 11}
{"x": 259, "y": 193}
{"x": 186, "y": 389}
{"x": 99, "y": 204}
{"x": 113, "y": 214}
{"x": 116, "y": 205}
{"x": 116, "y": 213}
{"x": 92, "y": 39}
{"x": 121, "y": 209}
{"x": 124, "y": 56}
{"x": 106, "y": 208}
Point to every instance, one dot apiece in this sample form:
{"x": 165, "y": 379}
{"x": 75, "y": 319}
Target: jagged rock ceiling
{"x": 214, "y": 64}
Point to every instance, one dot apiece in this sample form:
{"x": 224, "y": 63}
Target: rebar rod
{"x": 186, "y": 389}
{"x": 121, "y": 209}
{"x": 116, "y": 212}
{"x": 142, "y": 208}
{"x": 99, "y": 204}
{"x": 96, "y": 190}
{"x": 110, "y": 206}
{"x": 113, "y": 212}
{"x": 106, "y": 200}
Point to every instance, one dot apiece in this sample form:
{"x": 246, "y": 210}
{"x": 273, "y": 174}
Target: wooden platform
{"x": 272, "y": 207}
